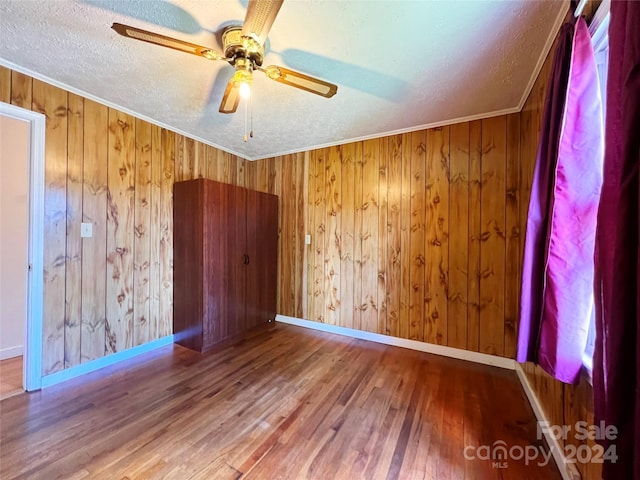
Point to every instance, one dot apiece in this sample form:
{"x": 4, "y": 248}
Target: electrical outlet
{"x": 86, "y": 230}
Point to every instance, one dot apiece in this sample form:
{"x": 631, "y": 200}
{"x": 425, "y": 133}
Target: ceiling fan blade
{"x": 231, "y": 98}
{"x": 164, "y": 41}
{"x": 300, "y": 80}
{"x": 259, "y": 18}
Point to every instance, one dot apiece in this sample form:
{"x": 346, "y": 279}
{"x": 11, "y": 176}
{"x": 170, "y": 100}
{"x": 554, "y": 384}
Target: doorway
{"x": 26, "y": 200}
{"x": 14, "y": 224}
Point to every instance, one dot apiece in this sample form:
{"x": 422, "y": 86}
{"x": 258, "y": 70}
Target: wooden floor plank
{"x": 280, "y": 402}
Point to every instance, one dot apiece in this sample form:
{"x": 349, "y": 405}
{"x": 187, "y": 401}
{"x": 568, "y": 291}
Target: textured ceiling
{"x": 399, "y": 65}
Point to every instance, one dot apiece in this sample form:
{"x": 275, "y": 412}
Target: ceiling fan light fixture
{"x": 245, "y": 87}
{"x": 243, "y": 78}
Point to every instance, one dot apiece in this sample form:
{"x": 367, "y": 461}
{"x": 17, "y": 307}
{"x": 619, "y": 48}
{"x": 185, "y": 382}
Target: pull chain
{"x": 251, "y": 108}
{"x": 246, "y": 116}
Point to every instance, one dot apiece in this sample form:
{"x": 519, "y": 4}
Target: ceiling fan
{"x": 243, "y": 47}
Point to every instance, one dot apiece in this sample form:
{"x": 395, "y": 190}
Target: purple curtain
{"x": 558, "y": 269}
{"x": 616, "y": 366}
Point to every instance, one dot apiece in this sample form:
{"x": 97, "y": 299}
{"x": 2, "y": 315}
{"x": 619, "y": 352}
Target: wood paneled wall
{"x": 414, "y": 235}
{"x": 418, "y": 235}
{"x": 115, "y": 290}
{"x": 112, "y": 291}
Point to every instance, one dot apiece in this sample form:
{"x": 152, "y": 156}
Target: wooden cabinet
{"x": 224, "y": 261}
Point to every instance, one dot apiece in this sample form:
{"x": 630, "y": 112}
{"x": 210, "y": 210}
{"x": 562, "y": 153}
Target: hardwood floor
{"x": 282, "y": 403}
{"x": 11, "y": 377}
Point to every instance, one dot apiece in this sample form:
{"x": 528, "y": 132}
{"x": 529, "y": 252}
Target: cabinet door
{"x": 236, "y": 259}
{"x": 188, "y": 264}
{"x": 224, "y": 272}
{"x": 262, "y": 249}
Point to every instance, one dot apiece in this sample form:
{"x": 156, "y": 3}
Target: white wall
{"x": 14, "y": 223}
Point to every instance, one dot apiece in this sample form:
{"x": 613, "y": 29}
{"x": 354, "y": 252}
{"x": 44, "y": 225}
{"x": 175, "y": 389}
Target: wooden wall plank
{"x": 166, "y": 233}
{"x": 180, "y": 164}
{"x": 224, "y": 175}
{"x": 458, "y": 236}
{"x": 271, "y": 176}
{"x": 120, "y": 231}
{"x": 52, "y": 102}
{"x": 298, "y": 247}
{"x": 5, "y": 85}
{"x": 551, "y": 394}
{"x": 220, "y": 172}
{"x": 286, "y": 244}
{"x": 443, "y": 180}
{"x": 199, "y": 160}
{"x": 262, "y": 174}
{"x": 94, "y": 249}
{"x": 318, "y": 241}
{"x": 333, "y": 237}
{"x": 347, "y": 235}
{"x": 393, "y": 265}
{"x": 475, "y": 230}
{"x": 370, "y": 234}
{"x": 437, "y": 243}
{"x": 416, "y": 218}
{"x": 231, "y": 169}
{"x": 513, "y": 240}
{"x": 189, "y": 165}
{"x": 212, "y": 163}
{"x": 578, "y": 406}
{"x": 240, "y": 164}
{"x": 295, "y": 166}
{"x": 492, "y": 249}
{"x": 405, "y": 237}
{"x": 358, "y": 234}
{"x": 142, "y": 227}
{"x": 303, "y": 221}
{"x": 250, "y": 172}
{"x": 155, "y": 200}
{"x": 73, "y": 267}
{"x": 282, "y": 215}
{"x": 22, "y": 91}
{"x": 309, "y": 312}
{"x": 382, "y": 262}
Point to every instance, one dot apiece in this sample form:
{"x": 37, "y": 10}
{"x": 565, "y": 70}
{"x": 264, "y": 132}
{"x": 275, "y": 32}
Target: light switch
{"x": 307, "y": 239}
{"x": 86, "y": 230}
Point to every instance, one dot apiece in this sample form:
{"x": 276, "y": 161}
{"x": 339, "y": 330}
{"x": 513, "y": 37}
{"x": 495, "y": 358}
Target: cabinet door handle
{"x": 246, "y": 259}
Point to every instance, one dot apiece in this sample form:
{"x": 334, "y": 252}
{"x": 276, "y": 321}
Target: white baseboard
{"x": 92, "y": 366}
{"x": 567, "y": 470}
{"x": 451, "y": 352}
{"x": 11, "y": 352}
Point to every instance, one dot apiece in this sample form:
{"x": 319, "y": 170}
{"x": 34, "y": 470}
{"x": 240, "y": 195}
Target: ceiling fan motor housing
{"x": 237, "y": 46}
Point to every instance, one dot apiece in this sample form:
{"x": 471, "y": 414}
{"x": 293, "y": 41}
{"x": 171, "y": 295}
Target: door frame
{"x": 32, "y": 372}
